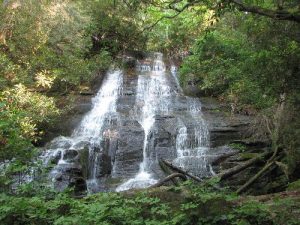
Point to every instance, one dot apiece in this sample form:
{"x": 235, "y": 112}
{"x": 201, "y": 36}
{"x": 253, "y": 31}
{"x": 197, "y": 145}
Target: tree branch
{"x": 160, "y": 19}
{"x": 274, "y": 14}
{"x": 179, "y": 170}
{"x": 169, "y": 178}
{"x": 234, "y": 170}
{"x": 178, "y": 11}
{"x": 279, "y": 14}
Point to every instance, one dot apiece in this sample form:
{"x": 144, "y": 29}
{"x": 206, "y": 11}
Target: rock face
{"x": 72, "y": 173}
{"x": 129, "y": 152}
{"x": 224, "y": 127}
{"x": 68, "y": 177}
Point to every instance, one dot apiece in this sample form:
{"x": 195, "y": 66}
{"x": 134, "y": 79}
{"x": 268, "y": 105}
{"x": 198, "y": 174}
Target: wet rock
{"x": 84, "y": 162}
{"x": 58, "y": 177}
{"x": 192, "y": 90}
{"x": 56, "y": 156}
{"x": 82, "y": 108}
{"x": 81, "y": 145}
{"x": 103, "y": 165}
{"x": 113, "y": 146}
{"x": 129, "y": 92}
{"x": 129, "y": 62}
{"x": 70, "y": 155}
{"x": 125, "y": 104}
{"x": 129, "y": 153}
{"x": 87, "y": 92}
{"x": 224, "y": 127}
{"x": 79, "y": 185}
{"x": 68, "y": 176}
{"x": 163, "y": 139}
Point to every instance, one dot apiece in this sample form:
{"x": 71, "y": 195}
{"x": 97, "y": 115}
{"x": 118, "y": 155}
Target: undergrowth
{"x": 185, "y": 205}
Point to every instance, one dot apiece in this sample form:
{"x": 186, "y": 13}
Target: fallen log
{"x": 270, "y": 165}
{"x": 232, "y": 171}
{"x": 169, "y": 178}
{"x": 255, "y": 177}
{"x": 179, "y": 170}
{"x": 168, "y": 172}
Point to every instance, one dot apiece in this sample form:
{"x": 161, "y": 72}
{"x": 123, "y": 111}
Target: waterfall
{"x": 90, "y": 131}
{"x": 136, "y": 119}
{"x": 192, "y": 144}
{"x": 152, "y": 94}
{"x": 155, "y": 97}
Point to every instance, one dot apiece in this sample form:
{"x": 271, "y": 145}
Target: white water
{"x": 104, "y": 107}
{"x": 152, "y": 93}
{"x": 193, "y": 143}
{"x": 90, "y": 131}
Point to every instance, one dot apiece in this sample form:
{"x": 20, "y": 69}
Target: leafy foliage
{"x": 245, "y": 64}
{"x": 192, "y": 205}
{"x": 114, "y": 28}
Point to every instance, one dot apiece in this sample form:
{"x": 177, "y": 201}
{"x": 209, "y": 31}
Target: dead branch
{"x": 221, "y": 158}
{"x": 178, "y": 11}
{"x": 269, "y": 166}
{"x": 278, "y": 14}
{"x": 232, "y": 171}
{"x": 160, "y": 19}
{"x": 167, "y": 171}
{"x": 179, "y": 170}
{"x": 169, "y": 178}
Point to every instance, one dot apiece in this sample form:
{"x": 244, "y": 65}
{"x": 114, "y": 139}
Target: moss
{"x": 84, "y": 158}
{"x": 294, "y": 185}
{"x": 238, "y": 146}
{"x": 248, "y": 155}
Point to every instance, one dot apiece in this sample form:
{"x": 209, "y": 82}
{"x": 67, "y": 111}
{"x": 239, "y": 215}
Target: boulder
{"x": 67, "y": 176}
{"x": 70, "y": 155}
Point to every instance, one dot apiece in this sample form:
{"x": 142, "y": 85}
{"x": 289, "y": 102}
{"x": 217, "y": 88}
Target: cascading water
{"x": 155, "y": 95}
{"x": 152, "y": 93}
{"x": 103, "y": 111}
{"x": 136, "y": 119}
{"x": 90, "y": 131}
{"x": 192, "y": 145}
